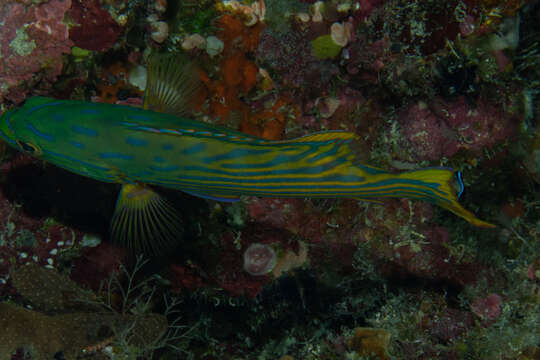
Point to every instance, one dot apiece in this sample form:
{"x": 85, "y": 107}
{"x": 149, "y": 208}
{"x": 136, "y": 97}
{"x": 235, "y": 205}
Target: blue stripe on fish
{"x": 42, "y": 135}
{"x": 139, "y": 173}
{"x": 57, "y": 117}
{"x": 136, "y": 141}
{"x": 194, "y": 149}
{"x": 371, "y": 170}
{"x": 89, "y": 112}
{"x": 159, "y": 159}
{"x": 10, "y": 114}
{"x": 7, "y": 138}
{"x": 81, "y": 130}
{"x": 236, "y": 153}
{"x": 165, "y": 168}
{"x": 460, "y": 182}
{"x": 397, "y": 191}
{"x": 213, "y": 179}
{"x": 77, "y": 144}
{"x": 67, "y": 157}
{"x": 216, "y": 198}
{"x": 333, "y": 150}
{"x": 139, "y": 118}
{"x": 35, "y": 108}
{"x": 115, "y": 155}
{"x": 168, "y": 146}
{"x": 375, "y": 189}
{"x": 279, "y": 159}
{"x": 294, "y": 171}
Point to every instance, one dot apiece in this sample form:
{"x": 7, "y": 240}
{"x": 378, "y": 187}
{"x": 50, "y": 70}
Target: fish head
{"x": 20, "y": 130}
{"x": 12, "y": 131}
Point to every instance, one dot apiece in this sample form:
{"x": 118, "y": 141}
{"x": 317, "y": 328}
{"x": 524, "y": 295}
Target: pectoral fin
{"x": 144, "y": 221}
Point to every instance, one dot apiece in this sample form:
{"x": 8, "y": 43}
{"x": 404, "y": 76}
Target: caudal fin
{"x": 443, "y": 187}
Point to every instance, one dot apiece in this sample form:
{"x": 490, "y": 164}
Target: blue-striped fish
{"x": 159, "y": 145}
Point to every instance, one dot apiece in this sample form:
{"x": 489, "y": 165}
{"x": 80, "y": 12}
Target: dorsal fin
{"x": 173, "y": 82}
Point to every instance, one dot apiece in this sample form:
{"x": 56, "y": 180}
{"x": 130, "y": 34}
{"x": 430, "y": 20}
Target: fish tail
{"x": 443, "y": 187}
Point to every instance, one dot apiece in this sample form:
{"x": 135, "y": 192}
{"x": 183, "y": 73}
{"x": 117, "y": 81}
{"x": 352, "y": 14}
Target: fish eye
{"x": 29, "y": 148}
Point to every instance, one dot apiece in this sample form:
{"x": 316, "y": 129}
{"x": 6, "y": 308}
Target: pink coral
{"x": 31, "y": 46}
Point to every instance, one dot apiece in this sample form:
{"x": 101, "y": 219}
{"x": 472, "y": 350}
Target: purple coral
{"x": 259, "y": 259}
{"x": 31, "y": 46}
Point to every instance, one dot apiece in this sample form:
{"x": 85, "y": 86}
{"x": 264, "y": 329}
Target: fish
{"x": 160, "y": 145}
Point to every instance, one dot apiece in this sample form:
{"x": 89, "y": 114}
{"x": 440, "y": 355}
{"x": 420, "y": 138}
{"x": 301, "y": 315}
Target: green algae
{"x": 21, "y": 44}
{"x": 324, "y": 47}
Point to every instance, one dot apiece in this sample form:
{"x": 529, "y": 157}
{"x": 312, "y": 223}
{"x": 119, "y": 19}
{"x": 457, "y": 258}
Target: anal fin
{"x": 144, "y": 221}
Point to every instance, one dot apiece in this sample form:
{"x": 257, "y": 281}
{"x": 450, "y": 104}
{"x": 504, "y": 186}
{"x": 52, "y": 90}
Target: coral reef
{"x": 422, "y": 84}
{"x": 34, "y": 38}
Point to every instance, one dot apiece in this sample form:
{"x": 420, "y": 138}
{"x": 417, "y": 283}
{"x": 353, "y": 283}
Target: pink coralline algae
{"x": 293, "y": 215}
{"x": 259, "y": 259}
{"x": 488, "y": 308}
{"x": 368, "y": 59}
{"x": 290, "y": 55}
{"x": 448, "y": 324}
{"x": 97, "y": 264}
{"x": 31, "y": 46}
{"x": 366, "y": 7}
{"x": 24, "y": 239}
{"x": 431, "y": 138}
{"x": 444, "y": 128}
{"x": 95, "y": 30}
{"x": 231, "y": 277}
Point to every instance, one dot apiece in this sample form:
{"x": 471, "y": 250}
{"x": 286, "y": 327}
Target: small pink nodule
{"x": 259, "y": 259}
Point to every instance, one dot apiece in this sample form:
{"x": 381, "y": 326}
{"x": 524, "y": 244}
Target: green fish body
{"x": 129, "y": 145}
